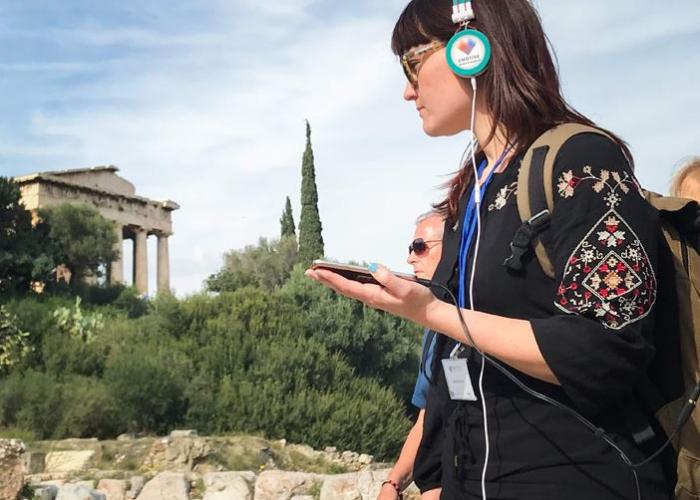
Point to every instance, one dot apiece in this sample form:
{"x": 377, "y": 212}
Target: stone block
{"x": 48, "y": 492}
{"x": 170, "y": 485}
{"x": 359, "y": 486}
{"x": 35, "y": 462}
{"x": 11, "y": 468}
{"x": 136, "y": 484}
{"x": 229, "y": 485}
{"x": 114, "y": 489}
{"x": 341, "y": 487}
{"x": 183, "y": 433}
{"x": 276, "y": 485}
{"x": 69, "y": 461}
{"x": 78, "y": 492}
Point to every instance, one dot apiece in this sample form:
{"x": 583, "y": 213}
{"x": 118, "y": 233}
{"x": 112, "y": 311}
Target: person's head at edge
{"x": 518, "y": 96}
{"x": 426, "y": 248}
{"x": 686, "y": 182}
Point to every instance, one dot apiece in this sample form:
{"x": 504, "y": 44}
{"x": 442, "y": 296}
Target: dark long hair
{"x": 521, "y": 85}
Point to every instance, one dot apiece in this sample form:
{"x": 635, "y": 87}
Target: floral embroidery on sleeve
{"x": 609, "y": 274}
{"x": 503, "y": 195}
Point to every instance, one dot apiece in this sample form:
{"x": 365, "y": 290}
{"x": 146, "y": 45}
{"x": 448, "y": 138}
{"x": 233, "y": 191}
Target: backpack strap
{"x": 535, "y": 193}
{"x": 682, "y": 213}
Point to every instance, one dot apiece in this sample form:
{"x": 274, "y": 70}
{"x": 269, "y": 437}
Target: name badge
{"x": 459, "y": 383}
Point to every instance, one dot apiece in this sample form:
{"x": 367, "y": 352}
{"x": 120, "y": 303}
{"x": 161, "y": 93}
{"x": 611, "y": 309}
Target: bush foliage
{"x": 290, "y": 360}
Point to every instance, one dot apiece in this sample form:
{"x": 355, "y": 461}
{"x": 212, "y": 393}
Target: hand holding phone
{"x": 359, "y": 273}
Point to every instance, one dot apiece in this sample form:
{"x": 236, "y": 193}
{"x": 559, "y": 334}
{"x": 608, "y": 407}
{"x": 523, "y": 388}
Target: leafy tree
{"x": 86, "y": 238}
{"x": 149, "y": 382}
{"x": 293, "y": 361}
{"x": 32, "y": 401}
{"x": 27, "y": 253}
{"x": 80, "y": 325}
{"x": 14, "y": 343}
{"x": 132, "y": 302}
{"x": 310, "y": 229}
{"x": 266, "y": 265}
{"x": 374, "y": 343}
{"x": 89, "y": 410}
{"x": 288, "y": 227}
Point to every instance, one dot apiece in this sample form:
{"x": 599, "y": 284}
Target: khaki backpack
{"x": 672, "y": 384}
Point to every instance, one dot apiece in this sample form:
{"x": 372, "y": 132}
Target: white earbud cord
{"x": 477, "y": 201}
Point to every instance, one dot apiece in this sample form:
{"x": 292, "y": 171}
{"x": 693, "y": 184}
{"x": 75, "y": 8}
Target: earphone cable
{"x": 477, "y": 203}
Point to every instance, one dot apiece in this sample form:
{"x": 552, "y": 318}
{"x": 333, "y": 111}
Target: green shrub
{"x": 89, "y": 410}
{"x": 293, "y": 387}
{"x": 14, "y": 343}
{"x": 99, "y": 295}
{"x": 77, "y": 323}
{"x": 149, "y": 384}
{"x": 375, "y": 344}
{"x": 132, "y": 303}
{"x": 266, "y": 265}
{"x": 64, "y": 355}
{"x": 32, "y": 401}
{"x": 35, "y": 315}
{"x": 295, "y": 361}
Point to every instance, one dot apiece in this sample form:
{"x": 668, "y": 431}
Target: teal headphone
{"x": 469, "y": 51}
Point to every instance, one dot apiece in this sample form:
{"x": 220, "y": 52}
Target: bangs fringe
{"x": 408, "y": 31}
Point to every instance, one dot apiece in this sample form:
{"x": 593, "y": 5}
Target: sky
{"x": 203, "y": 102}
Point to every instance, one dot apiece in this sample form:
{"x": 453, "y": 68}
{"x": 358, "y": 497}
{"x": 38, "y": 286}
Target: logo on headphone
{"x": 466, "y": 46}
{"x": 468, "y": 53}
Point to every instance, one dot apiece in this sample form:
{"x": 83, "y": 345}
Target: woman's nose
{"x": 409, "y": 93}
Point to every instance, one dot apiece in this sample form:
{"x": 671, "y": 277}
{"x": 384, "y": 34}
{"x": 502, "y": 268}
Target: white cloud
{"x": 602, "y": 26}
{"x": 228, "y": 147}
{"x": 214, "y": 119}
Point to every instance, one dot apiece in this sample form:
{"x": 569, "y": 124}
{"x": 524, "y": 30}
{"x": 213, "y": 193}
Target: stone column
{"x": 116, "y": 271}
{"x": 163, "y": 264}
{"x": 11, "y": 467}
{"x": 141, "y": 260}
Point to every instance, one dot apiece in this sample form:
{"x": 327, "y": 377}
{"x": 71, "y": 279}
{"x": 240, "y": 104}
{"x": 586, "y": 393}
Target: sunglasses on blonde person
{"x": 419, "y": 246}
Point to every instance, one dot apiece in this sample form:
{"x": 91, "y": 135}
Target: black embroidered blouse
{"x": 592, "y": 325}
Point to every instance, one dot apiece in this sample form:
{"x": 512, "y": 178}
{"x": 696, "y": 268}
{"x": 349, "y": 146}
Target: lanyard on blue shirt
{"x": 469, "y": 228}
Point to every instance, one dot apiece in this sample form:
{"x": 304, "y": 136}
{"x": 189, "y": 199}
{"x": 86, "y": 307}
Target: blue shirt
{"x": 420, "y": 391}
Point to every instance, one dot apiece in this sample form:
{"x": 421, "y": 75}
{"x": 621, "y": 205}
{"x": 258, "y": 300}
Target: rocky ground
{"x": 184, "y": 466}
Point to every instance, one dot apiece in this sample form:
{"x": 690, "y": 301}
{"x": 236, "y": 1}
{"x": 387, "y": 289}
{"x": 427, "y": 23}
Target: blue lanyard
{"x": 469, "y": 226}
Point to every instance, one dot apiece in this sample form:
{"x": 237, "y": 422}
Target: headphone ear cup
{"x": 468, "y": 53}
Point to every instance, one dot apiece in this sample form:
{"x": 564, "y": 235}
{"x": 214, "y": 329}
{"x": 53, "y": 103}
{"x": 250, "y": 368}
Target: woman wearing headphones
{"x": 581, "y": 339}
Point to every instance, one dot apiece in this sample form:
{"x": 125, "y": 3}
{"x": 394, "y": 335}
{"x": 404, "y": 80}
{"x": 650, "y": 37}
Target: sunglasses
{"x": 412, "y": 60}
{"x": 420, "y": 246}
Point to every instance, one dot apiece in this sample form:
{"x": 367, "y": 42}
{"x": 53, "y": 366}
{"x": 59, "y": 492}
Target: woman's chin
{"x": 433, "y": 129}
{"x": 430, "y": 129}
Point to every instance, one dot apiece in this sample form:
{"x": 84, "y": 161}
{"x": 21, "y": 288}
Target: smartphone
{"x": 359, "y": 273}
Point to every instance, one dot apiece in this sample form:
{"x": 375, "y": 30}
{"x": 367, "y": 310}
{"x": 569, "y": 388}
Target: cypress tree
{"x": 310, "y": 238}
{"x": 288, "y": 228}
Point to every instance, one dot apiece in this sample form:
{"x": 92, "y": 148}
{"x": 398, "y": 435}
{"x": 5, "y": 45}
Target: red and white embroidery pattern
{"x": 609, "y": 274}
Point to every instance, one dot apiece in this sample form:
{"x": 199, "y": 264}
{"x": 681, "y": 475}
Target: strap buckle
{"x": 523, "y": 238}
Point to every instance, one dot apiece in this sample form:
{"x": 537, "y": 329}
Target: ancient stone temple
{"x": 134, "y": 217}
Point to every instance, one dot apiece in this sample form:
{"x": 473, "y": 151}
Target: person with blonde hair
{"x": 686, "y": 182}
